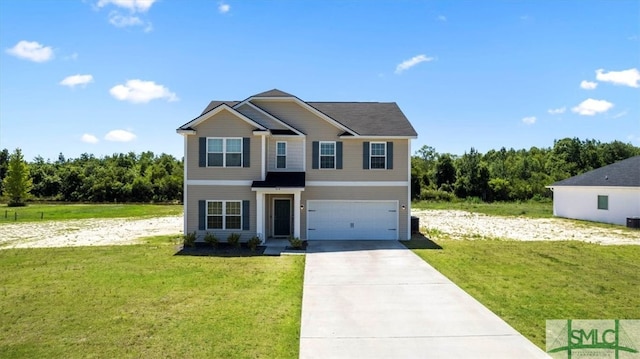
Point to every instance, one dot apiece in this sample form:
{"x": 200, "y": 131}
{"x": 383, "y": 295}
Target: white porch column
{"x": 296, "y": 213}
{"x": 260, "y": 230}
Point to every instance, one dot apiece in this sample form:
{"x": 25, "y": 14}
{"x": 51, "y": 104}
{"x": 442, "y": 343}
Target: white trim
{"x": 383, "y": 156}
{"x": 185, "y": 206}
{"x": 409, "y": 190}
{"x": 260, "y": 214}
{"x": 218, "y": 182}
{"x": 357, "y": 183}
{"x": 186, "y": 132}
{"x": 381, "y": 137}
{"x": 613, "y": 188}
{"x": 224, "y": 151}
{"x": 223, "y": 215}
{"x": 215, "y": 111}
{"x": 263, "y": 155}
{"x": 265, "y": 113}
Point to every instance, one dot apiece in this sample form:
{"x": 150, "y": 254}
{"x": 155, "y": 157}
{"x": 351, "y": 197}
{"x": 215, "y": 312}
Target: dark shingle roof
{"x": 214, "y": 104}
{"x": 273, "y": 93}
{"x": 625, "y": 173}
{"x": 368, "y": 118}
{"x": 281, "y": 179}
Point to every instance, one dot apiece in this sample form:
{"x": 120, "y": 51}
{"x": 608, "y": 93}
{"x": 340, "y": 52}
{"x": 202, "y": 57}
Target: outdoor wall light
{"x": 301, "y": 207}
{"x": 404, "y": 207}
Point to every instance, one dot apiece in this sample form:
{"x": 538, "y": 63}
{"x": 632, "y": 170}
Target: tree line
{"x": 498, "y": 175}
{"x": 509, "y": 175}
{"x": 129, "y": 177}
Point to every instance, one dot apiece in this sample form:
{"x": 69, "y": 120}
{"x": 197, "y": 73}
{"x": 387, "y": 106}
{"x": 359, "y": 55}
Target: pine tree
{"x": 17, "y": 183}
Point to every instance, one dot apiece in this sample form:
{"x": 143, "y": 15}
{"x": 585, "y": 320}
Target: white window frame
{"x": 224, "y": 151}
{"x": 281, "y": 155}
{"x": 224, "y": 214}
{"x": 606, "y": 197}
{"x": 371, "y": 155}
{"x": 320, "y": 155}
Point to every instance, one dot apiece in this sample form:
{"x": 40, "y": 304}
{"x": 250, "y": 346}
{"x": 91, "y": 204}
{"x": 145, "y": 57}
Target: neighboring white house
{"x": 609, "y": 194}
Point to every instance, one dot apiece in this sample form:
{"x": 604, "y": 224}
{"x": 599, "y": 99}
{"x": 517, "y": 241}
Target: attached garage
{"x": 363, "y": 220}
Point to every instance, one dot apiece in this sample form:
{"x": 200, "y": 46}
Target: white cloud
{"x": 629, "y": 77}
{"x": 139, "y": 91}
{"x": 31, "y": 50}
{"x": 442, "y": 18}
{"x": 588, "y": 85}
{"x": 557, "y": 111}
{"x": 89, "y": 138}
{"x": 76, "y": 80}
{"x": 73, "y": 56}
{"x": 590, "y": 107}
{"x": 132, "y": 5}
{"x": 118, "y": 20}
{"x": 620, "y": 114}
{"x": 529, "y": 120}
{"x": 223, "y": 8}
{"x": 120, "y": 136}
{"x": 407, "y": 64}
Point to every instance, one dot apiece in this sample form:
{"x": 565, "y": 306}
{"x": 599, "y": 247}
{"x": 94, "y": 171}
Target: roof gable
{"x": 625, "y": 173}
{"x": 211, "y": 113}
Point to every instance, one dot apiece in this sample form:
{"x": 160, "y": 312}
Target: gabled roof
{"x": 188, "y": 127}
{"x": 273, "y": 93}
{"x": 368, "y": 118}
{"x": 625, "y": 173}
{"x": 358, "y": 119}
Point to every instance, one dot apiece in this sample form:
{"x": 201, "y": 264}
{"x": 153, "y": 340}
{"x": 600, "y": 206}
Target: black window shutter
{"x": 365, "y": 155}
{"x": 202, "y": 151}
{"x": 202, "y": 215}
{"x": 315, "y": 154}
{"x": 339, "y": 155}
{"x": 389, "y": 155}
{"x": 246, "y": 152}
{"x": 245, "y": 216}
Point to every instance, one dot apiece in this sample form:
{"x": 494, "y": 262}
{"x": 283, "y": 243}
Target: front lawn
{"x": 56, "y": 212}
{"x": 141, "y": 301}
{"x": 526, "y": 283}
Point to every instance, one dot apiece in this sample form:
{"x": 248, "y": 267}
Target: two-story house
{"x": 276, "y": 166}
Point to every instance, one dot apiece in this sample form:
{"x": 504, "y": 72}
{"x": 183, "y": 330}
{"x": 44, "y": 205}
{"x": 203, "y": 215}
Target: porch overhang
{"x": 281, "y": 180}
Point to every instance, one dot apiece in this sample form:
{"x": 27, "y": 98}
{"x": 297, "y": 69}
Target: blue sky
{"x": 111, "y": 76}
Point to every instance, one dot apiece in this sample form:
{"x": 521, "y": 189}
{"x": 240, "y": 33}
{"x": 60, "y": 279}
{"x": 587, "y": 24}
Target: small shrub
{"x": 189, "y": 239}
{"x": 253, "y": 243}
{"x": 234, "y": 239}
{"x": 295, "y": 242}
{"x": 211, "y": 239}
{"x": 436, "y": 195}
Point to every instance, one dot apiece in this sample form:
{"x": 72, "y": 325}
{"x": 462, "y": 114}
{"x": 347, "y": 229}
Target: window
{"x": 281, "y": 155}
{"x": 603, "y": 202}
{"x": 224, "y": 152}
{"x": 378, "y": 155}
{"x": 224, "y": 214}
{"x": 328, "y": 155}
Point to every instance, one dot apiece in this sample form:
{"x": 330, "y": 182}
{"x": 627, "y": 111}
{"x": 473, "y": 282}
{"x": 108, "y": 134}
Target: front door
{"x": 281, "y": 217}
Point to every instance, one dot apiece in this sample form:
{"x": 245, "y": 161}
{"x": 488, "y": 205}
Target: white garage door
{"x": 352, "y": 220}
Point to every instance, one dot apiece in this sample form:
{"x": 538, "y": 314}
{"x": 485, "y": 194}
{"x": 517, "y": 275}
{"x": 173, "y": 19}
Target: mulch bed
{"x": 221, "y": 250}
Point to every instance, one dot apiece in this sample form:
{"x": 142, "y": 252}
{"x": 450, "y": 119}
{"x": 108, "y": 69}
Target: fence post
{"x": 41, "y": 215}
{"x": 15, "y": 216}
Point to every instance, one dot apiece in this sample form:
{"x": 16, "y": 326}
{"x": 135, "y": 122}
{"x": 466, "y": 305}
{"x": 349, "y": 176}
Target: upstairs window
{"x": 281, "y": 155}
{"x": 378, "y": 155}
{"x": 603, "y": 202}
{"x": 328, "y": 155}
{"x": 224, "y": 152}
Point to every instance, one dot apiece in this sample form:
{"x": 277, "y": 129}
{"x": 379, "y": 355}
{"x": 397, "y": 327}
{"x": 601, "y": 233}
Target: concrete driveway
{"x": 377, "y": 299}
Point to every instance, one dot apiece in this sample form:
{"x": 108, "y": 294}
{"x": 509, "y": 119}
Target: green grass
{"x": 143, "y": 302}
{"x": 57, "y": 212}
{"x": 531, "y": 209}
{"x": 526, "y": 283}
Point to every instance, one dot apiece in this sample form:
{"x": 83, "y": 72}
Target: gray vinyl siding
{"x": 222, "y": 193}
{"x": 399, "y": 194}
{"x": 300, "y": 118}
{"x": 260, "y": 118}
{"x": 295, "y": 161}
{"x": 223, "y": 124}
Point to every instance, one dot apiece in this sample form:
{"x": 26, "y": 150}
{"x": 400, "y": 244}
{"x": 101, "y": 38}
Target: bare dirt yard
{"x": 86, "y": 232}
{"x": 473, "y": 225}
{"x": 455, "y": 224}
